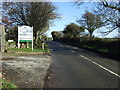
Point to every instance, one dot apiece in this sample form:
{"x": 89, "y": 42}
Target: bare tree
{"x": 105, "y": 3}
{"x": 110, "y": 16}
{"x": 109, "y": 11}
{"x": 91, "y": 22}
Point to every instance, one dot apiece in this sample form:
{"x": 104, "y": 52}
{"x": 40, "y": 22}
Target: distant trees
{"x": 56, "y": 35}
{"x": 36, "y": 14}
{"x": 73, "y": 30}
{"x": 91, "y": 22}
{"x": 109, "y": 12}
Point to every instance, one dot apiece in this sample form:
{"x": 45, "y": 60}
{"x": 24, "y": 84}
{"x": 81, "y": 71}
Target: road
{"x": 78, "y": 68}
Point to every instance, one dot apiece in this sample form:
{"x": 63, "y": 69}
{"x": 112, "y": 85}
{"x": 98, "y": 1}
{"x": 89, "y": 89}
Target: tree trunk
{"x": 90, "y": 31}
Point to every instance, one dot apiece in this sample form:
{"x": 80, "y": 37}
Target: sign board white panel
{"x": 25, "y": 33}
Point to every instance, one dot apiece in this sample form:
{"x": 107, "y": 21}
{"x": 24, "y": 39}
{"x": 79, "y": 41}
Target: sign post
{"x": 2, "y": 38}
{"x": 32, "y": 38}
{"x": 25, "y": 34}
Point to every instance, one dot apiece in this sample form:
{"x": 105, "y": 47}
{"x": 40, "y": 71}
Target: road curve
{"x": 78, "y": 68}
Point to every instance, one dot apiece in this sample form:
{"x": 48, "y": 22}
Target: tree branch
{"x": 112, "y": 7}
{"x": 107, "y": 32}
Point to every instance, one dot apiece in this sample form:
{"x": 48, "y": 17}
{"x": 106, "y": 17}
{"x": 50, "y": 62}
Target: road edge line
{"x": 110, "y": 71}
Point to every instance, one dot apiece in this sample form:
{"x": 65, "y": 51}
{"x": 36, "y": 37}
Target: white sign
{"x": 10, "y": 40}
{"x": 25, "y": 34}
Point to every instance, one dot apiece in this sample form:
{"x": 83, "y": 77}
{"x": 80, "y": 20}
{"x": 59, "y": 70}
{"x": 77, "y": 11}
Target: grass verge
{"x": 28, "y": 50}
{"x": 6, "y": 84}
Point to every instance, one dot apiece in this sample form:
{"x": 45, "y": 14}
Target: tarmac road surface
{"x": 78, "y": 68}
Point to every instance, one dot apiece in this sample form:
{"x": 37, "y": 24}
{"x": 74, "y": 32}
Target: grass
{"x": 6, "y": 84}
{"x": 28, "y": 50}
{"x": 97, "y": 49}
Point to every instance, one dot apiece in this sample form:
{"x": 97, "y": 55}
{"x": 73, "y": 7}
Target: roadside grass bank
{"x": 12, "y": 47}
{"x": 28, "y": 50}
{"x": 106, "y": 47}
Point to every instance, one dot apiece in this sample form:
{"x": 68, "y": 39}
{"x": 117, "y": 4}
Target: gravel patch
{"x": 26, "y": 71}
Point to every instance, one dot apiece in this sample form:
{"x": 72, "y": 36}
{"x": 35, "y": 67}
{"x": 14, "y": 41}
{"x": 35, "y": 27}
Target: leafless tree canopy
{"x": 109, "y": 11}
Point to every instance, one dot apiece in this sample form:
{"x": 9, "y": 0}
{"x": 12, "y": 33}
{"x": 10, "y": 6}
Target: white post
{"x": 32, "y": 45}
{"x": 32, "y": 39}
{"x": 18, "y": 38}
{"x": 18, "y": 43}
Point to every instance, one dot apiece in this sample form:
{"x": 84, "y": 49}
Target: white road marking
{"x": 61, "y": 45}
{"x": 72, "y": 51}
{"x": 101, "y": 66}
{"x": 75, "y": 47}
{"x": 68, "y": 46}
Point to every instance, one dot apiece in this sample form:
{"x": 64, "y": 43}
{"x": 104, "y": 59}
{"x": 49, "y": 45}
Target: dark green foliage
{"x": 56, "y": 35}
{"x": 73, "y": 30}
{"x": 12, "y": 34}
{"x": 103, "y": 45}
{"x": 39, "y": 45}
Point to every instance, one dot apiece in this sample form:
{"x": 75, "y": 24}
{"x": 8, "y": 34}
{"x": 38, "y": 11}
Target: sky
{"x": 70, "y": 13}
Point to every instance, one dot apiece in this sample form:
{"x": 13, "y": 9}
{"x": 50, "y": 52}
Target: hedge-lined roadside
{"x": 107, "y": 47}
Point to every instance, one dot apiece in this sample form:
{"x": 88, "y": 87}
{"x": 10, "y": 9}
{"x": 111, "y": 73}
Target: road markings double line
{"x": 101, "y": 66}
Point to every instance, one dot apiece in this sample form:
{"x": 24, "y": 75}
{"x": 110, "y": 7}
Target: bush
{"x": 104, "y": 45}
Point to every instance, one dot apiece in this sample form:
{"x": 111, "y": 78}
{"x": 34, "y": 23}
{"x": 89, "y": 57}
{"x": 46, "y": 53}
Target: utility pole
{"x": 2, "y": 31}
